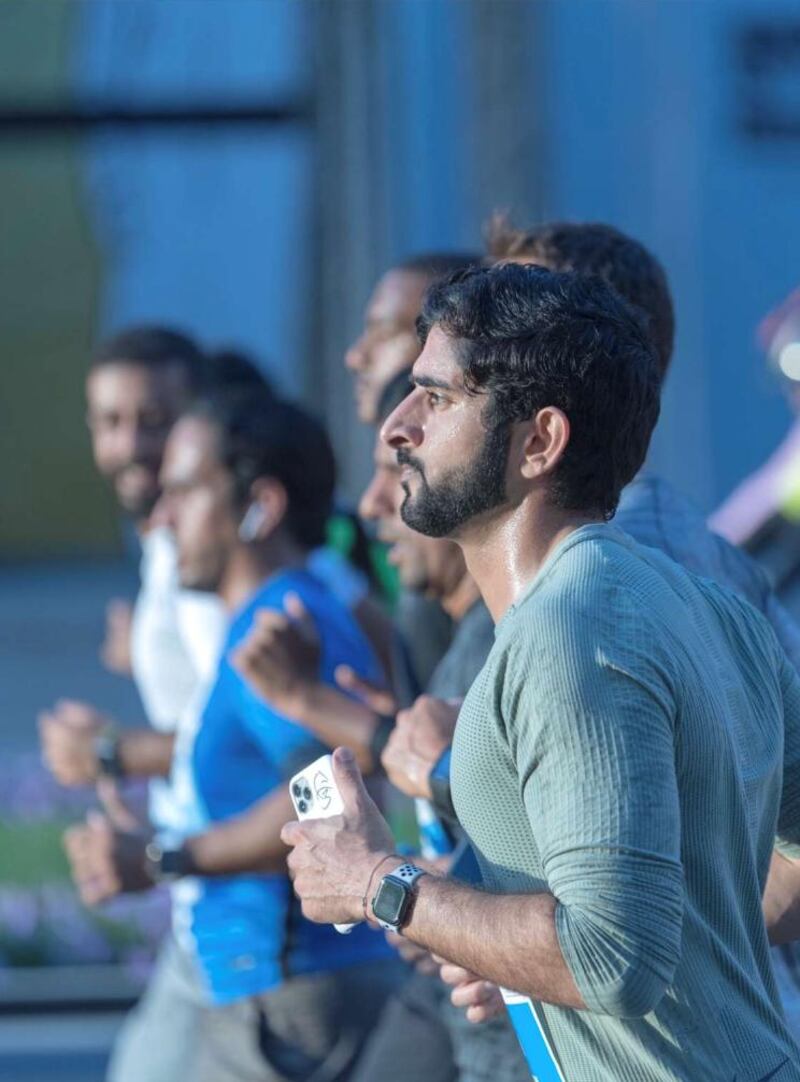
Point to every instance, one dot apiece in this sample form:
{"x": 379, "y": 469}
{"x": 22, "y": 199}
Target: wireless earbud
{"x": 254, "y": 520}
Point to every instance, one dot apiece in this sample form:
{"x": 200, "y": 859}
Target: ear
{"x": 270, "y": 495}
{"x": 545, "y": 442}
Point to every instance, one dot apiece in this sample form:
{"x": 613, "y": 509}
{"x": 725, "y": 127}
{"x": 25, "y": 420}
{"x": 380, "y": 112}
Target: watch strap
{"x": 165, "y": 865}
{"x": 106, "y": 748}
{"x": 408, "y": 873}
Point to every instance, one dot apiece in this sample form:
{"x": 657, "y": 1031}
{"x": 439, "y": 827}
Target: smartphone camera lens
{"x": 302, "y": 806}
{"x": 297, "y": 789}
{"x": 307, "y": 793}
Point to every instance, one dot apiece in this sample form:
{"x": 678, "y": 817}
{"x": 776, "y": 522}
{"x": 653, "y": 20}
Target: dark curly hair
{"x": 529, "y": 338}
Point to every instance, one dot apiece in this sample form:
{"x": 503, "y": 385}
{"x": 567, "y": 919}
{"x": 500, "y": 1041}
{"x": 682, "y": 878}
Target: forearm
{"x": 781, "y": 902}
{"x": 339, "y": 720}
{"x": 248, "y": 843}
{"x": 145, "y": 753}
{"x": 508, "y": 939}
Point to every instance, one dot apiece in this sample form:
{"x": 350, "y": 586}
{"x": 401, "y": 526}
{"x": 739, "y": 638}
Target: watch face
{"x": 390, "y": 901}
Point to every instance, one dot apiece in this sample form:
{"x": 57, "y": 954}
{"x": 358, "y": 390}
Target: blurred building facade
{"x": 247, "y": 169}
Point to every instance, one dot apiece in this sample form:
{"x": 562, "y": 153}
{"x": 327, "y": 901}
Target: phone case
{"x": 315, "y": 795}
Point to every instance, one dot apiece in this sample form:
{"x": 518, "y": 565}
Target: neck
{"x": 250, "y": 565}
{"x": 459, "y": 600}
{"x": 504, "y": 556}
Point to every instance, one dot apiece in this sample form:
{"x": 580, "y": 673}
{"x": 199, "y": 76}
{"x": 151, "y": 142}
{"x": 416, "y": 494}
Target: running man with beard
{"x": 630, "y": 749}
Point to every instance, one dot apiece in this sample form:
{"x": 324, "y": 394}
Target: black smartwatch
{"x": 167, "y": 865}
{"x": 394, "y": 897}
{"x": 106, "y": 748}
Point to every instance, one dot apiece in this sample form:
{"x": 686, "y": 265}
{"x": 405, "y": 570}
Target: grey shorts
{"x": 158, "y": 1039}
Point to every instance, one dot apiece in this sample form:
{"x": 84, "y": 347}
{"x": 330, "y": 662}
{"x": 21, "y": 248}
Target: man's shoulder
{"x": 588, "y": 569}
{"x": 569, "y": 597}
{"x": 317, "y": 598}
{"x": 603, "y": 592}
{"x": 658, "y": 515}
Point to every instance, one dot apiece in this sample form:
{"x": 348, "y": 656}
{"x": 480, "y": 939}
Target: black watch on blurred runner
{"x": 165, "y": 865}
{"x": 106, "y": 748}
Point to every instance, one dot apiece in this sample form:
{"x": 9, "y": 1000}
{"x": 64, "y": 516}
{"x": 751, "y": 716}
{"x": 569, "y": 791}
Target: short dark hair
{"x": 436, "y": 265}
{"x": 154, "y": 346}
{"x": 594, "y": 248}
{"x": 529, "y": 338}
{"x": 263, "y": 436}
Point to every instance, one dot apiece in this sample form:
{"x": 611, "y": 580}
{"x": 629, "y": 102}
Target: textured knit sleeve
{"x": 785, "y": 628}
{"x": 592, "y": 736}
{"x": 789, "y": 818}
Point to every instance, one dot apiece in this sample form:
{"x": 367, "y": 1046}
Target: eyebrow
{"x": 429, "y": 381}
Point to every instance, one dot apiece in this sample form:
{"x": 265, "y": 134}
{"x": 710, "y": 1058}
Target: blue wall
{"x": 636, "y": 116}
{"x": 206, "y": 229}
{"x": 646, "y": 104}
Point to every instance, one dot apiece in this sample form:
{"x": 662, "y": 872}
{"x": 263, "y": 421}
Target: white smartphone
{"x": 315, "y": 795}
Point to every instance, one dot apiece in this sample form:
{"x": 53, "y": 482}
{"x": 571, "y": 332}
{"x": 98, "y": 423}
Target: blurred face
{"x": 130, "y": 411}
{"x": 453, "y": 469}
{"x": 423, "y": 563}
{"x": 388, "y": 344}
{"x": 198, "y": 504}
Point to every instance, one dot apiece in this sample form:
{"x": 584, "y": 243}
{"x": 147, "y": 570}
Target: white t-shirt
{"x": 176, "y": 639}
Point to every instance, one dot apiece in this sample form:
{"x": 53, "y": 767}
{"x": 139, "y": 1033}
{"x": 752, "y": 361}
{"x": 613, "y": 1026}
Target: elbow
{"x": 633, "y": 994}
{"x": 622, "y": 961}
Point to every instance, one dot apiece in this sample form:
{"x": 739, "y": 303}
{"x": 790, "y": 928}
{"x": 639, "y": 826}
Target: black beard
{"x": 461, "y": 494}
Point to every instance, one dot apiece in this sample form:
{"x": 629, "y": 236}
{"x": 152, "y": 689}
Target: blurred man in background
{"x": 388, "y": 345}
{"x": 248, "y": 486}
{"x": 138, "y": 384}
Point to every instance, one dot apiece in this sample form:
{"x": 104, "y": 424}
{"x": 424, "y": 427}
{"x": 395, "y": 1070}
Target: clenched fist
{"x": 479, "y": 999}
{"x": 68, "y": 734}
{"x": 104, "y": 861}
{"x": 420, "y": 736}
{"x": 280, "y": 656}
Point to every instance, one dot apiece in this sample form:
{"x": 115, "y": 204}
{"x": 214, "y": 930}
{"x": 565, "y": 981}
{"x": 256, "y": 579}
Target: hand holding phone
{"x": 315, "y": 795}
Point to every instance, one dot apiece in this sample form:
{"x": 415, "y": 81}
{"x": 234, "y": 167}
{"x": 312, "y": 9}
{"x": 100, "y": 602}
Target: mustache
{"x": 405, "y": 458}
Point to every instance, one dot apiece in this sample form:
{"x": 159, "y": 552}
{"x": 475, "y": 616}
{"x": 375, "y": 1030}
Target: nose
{"x": 402, "y": 428}
{"x": 355, "y": 358}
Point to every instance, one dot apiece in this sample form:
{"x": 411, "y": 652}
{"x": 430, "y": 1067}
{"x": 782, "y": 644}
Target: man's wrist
{"x": 395, "y": 896}
{"x": 379, "y": 869}
{"x": 301, "y": 701}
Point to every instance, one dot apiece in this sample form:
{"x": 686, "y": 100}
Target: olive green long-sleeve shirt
{"x": 632, "y": 746}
